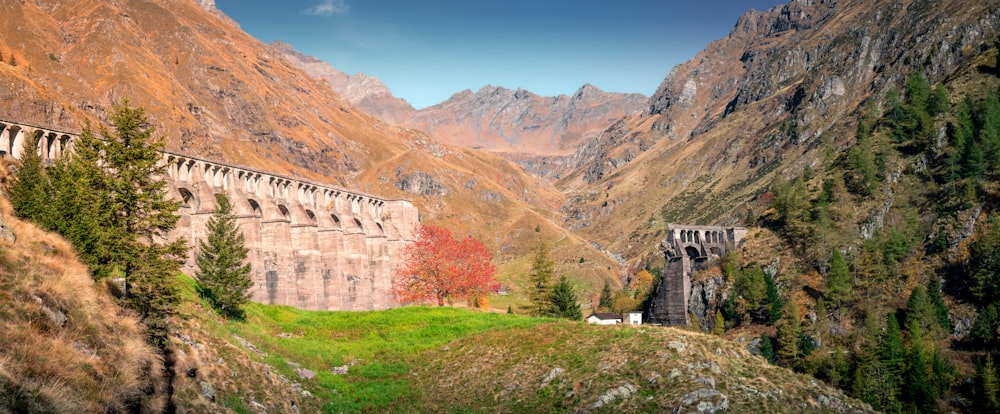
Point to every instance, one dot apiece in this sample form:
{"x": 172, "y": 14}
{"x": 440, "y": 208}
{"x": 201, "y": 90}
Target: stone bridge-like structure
{"x": 312, "y": 245}
{"x": 687, "y": 249}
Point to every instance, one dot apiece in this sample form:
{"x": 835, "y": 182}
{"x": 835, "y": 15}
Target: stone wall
{"x": 312, "y": 246}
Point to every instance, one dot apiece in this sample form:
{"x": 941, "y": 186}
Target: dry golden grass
{"x": 67, "y": 346}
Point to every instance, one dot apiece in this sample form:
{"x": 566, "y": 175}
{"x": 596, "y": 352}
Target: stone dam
{"x": 312, "y": 246}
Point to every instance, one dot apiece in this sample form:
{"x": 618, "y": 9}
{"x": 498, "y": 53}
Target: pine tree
{"x": 563, "y": 301}
{"x": 937, "y": 304}
{"x": 113, "y": 185}
{"x": 893, "y": 351}
{"x": 987, "y": 387}
{"x": 939, "y": 103}
{"x": 838, "y": 283}
{"x": 542, "y": 271}
{"x": 510, "y": 310}
{"x": 223, "y": 271}
{"x": 766, "y": 348}
{"x": 28, "y": 189}
{"x": 874, "y": 384}
{"x": 918, "y": 391}
{"x": 919, "y": 316}
{"x": 774, "y": 303}
{"x": 790, "y": 334}
{"x": 985, "y": 327}
{"x": 720, "y": 323}
{"x": 606, "y": 296}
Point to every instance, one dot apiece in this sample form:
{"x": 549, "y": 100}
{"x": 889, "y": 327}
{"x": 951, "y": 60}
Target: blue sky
{"x": 427, "y": 50}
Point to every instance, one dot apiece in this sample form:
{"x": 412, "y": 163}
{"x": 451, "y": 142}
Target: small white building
{"x": 633, "y": 318}
{"x": 604, "y": 318}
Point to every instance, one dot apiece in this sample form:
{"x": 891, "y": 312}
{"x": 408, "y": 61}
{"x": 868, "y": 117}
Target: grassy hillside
{"x": 421, "y": 359}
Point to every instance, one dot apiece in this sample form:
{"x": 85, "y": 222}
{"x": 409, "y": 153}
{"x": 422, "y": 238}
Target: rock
{"x": 704, "y": 400}
{"x": 292, "y": 364}
{"x": 555, "y": 373}
{"x": 420, "y": 183}
{"x": 305, "y": 373}
{"x": 6, "y": 234}
{"x": 341, "y": 370}
{"x": 258, "y": 407}
{"x": 609, "y": 397}
{"x": 207, "y": 391}
{"x": 680, "y": 347}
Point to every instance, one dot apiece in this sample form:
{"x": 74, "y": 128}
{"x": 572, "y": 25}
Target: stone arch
{"x": 683, "y": 237}
{"x": 336, "y": 222}
{"x": 284, "y": 212}
{"x": 16, "y": 141}
{"x": 359, "y": 225}
{"x": 692, "y": 252}
{"x": 188, "y": 199}
{"x": 716, "y": 250}
{"x": 381, "y": 230}
{"x": 255, "y": 209}
{"x": 311, "y": 217}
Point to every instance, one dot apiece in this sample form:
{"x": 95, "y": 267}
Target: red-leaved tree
{"x": 441, "y": 269}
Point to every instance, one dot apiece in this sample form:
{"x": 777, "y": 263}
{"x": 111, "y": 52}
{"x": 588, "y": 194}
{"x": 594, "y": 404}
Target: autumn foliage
{"x": 442, "y": 269}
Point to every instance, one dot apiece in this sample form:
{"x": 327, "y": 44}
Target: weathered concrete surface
{"x": 687, "y": 249}
{"x": 312, "y": 246}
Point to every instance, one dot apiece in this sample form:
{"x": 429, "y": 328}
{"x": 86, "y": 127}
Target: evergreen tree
{"x": 893, "y": 351}
{"x": 766, "y": 348}
{"x": 987, "y": 388}
{"x": 985, "y": 327}
{"x": 874, "y": 384}
{"x": 223, "y": 271}
{"x": 752, "y": 287}
{"x": 838, "y": 283}
{"x": 989, "y": 130}
{"x": 939, "y": 103}
{"x": 606, "y": 296}
{"x": 510, "y": 310}
{"x": 790, "y": 334}
{"x": 563, "y": 301}
{"x": 919, "y": 316}
{"x": 918, "y": 391}
{"x": 720, "y": 323}
{"x": 774, "y": 303}
{"x": 542, "y": 271}
{"x": 985, "y": 264}
{"x": 28, "y": 190}
{"x": 937, "y": 304}
{"x": 117, "y": 212}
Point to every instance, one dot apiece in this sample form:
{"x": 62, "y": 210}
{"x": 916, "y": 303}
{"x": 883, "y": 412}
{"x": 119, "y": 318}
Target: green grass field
{"x": 379, "y": 347}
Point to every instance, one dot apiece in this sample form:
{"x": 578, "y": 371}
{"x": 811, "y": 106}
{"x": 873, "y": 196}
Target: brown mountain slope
{"x": 536, "y": 132}
{"x": 781, "y": 90}
{"x": 214, "y": 91}
{"x": 367, "y": 93}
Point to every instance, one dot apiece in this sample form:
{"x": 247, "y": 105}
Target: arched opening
{"x": 692, "y": 252}
{"x": 187, "y": 198}
{"x": 255, "y": 208}
{"x": 716, "y": 250}
{"x": 284, "y": 211}
{"x": 380, "y": 229}
{"x": 336, "y": 221}
{"x": 358, "y": 223}
{"x": 311, "y": 216}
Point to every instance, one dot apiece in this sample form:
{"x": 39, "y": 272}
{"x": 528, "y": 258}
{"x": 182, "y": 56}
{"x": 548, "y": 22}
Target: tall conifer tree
{"x": 223, "y": 271}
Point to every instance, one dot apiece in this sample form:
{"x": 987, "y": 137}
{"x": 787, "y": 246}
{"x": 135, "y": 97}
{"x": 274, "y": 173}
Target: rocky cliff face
{"x": 366, "y": 93}
{"x": 536, "y": 132}
{"x": 758, "y": 104}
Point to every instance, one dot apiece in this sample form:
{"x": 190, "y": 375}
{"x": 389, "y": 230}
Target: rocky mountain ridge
{"x": 535, "y": 131}
{"x": 757, "y": 104}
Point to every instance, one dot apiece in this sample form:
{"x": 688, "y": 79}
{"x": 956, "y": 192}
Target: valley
{"x": 852, "y": 145}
